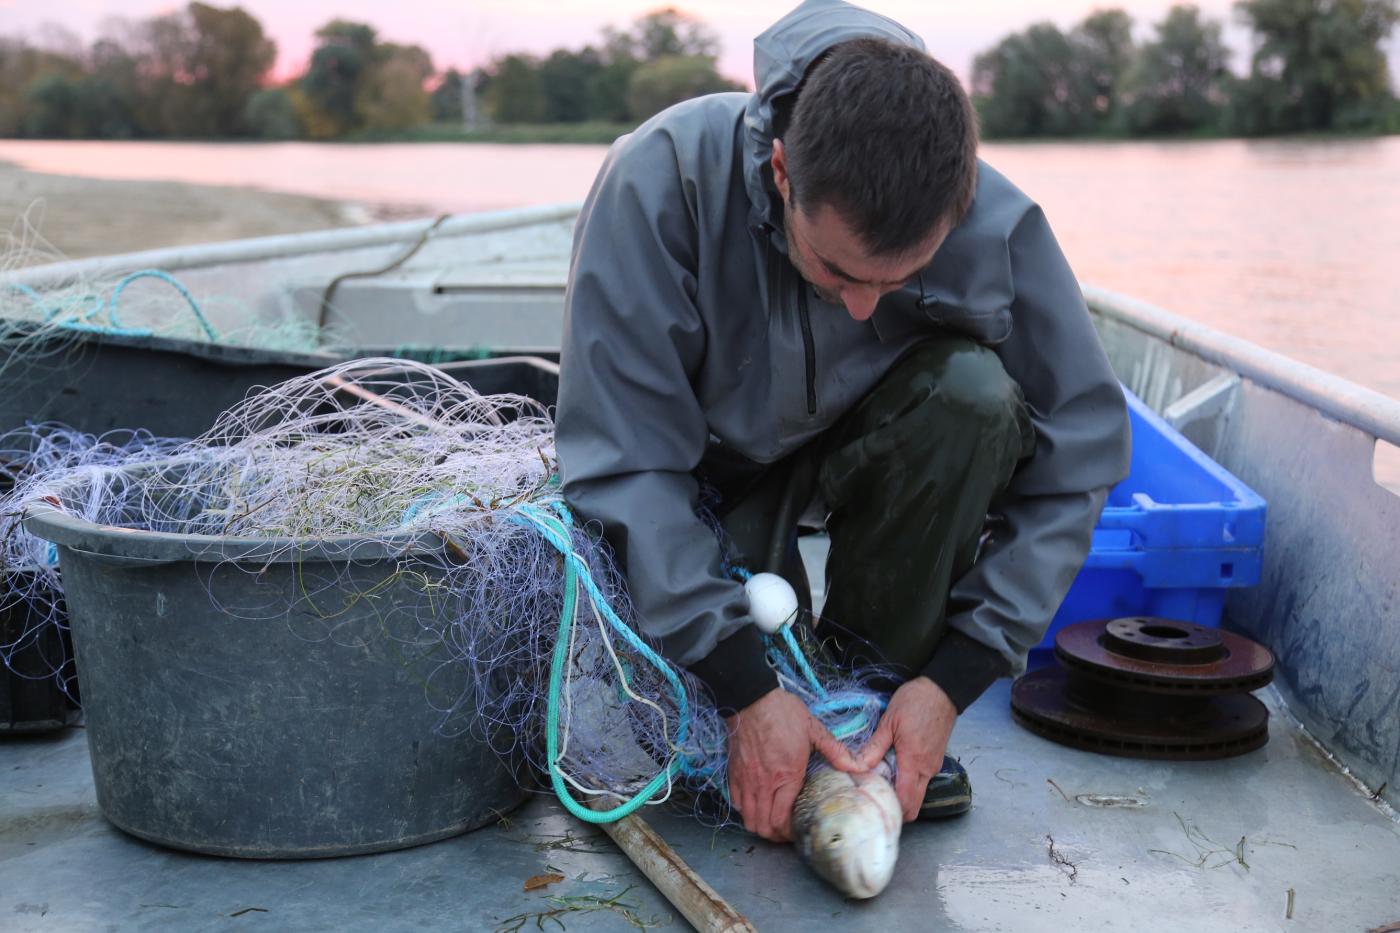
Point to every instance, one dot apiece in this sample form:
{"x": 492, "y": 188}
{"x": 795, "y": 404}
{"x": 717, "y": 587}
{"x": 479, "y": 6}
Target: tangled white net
{"x": 398, "y": 463}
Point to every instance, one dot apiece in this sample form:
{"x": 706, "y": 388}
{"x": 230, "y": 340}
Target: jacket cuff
{"x": 736, "y": 671}
{"x": 964, "y": 668}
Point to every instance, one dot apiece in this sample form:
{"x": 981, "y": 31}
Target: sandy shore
{"x": 79, "y": 217}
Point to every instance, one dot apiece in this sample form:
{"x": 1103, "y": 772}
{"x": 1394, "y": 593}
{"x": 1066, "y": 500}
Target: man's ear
{"x": 780, "y": 175}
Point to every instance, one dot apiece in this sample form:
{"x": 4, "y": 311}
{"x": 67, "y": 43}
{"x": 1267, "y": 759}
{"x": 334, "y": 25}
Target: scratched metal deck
{"x": 1173, "y": 861}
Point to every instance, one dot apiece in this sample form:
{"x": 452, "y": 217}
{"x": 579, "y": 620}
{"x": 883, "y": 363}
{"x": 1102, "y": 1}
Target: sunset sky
{"x": 470, "y": 32}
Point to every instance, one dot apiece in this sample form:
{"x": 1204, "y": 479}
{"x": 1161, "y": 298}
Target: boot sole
{"x": 946, "y": 807}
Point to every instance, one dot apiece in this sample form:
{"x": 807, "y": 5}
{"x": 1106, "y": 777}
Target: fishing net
{"x": 43, "y": 320}
{"x": 35, "y": 322}
{"x": 33, "y": 458}
{"x": 461, "y": 490}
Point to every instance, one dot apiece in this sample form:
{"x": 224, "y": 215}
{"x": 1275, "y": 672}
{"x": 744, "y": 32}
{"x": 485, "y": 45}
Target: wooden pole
{"x": 678, "y": 882}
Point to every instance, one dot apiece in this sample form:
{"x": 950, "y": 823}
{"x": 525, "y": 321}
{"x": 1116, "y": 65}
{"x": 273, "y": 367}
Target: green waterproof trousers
{"x": 906, "y": 480}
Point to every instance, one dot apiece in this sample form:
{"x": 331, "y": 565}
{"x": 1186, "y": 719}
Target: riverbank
{"x": 604, "y": 133}
{"x": 511, "y": 134}
{"x": 62, "y": 216}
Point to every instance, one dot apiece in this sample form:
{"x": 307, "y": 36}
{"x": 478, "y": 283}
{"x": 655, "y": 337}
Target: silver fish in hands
{"x": 846, "y": 827}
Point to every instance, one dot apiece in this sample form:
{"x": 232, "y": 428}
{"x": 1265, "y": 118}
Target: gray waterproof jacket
{"x": 683, "y": 330}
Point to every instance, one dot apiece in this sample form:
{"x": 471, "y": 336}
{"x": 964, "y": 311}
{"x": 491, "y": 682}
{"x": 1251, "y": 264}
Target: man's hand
{"x": 769, "y": 744}
{"x": 917, "y": 723}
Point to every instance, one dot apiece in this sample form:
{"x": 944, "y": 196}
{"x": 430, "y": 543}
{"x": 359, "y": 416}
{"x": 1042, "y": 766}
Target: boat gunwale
{"x": 1334, "y": 396}
{"x": 288, "y": 245}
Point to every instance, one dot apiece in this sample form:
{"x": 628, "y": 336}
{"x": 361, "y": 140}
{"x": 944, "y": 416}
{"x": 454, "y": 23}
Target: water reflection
{"x": 1291, "y": 244}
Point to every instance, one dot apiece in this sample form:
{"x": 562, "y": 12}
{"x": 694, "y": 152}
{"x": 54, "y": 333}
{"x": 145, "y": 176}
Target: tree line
{"x": 1317, "y": 66}
{"x": 203, "y": 72}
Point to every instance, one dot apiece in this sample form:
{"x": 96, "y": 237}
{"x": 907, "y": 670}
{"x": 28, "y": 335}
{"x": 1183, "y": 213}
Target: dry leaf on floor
{"x": 535, "y": 882}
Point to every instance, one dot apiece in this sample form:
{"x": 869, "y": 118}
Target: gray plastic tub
{"x": 240, "y": 701}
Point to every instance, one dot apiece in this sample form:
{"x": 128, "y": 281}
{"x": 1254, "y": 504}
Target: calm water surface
{"x": 1294, "y": 245}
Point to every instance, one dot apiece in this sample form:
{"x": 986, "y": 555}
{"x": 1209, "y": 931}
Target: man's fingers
{"x": 879, "y": 743}
{"x": 739, "y": 800}
{"x": 783, "y": 798}
{"x": 910, "y": 786}
{"x": 760, "y": 822}
{"x": 830, "y": 748}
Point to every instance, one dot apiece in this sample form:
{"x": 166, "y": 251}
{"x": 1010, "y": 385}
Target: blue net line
{"x": 555, "y": 523}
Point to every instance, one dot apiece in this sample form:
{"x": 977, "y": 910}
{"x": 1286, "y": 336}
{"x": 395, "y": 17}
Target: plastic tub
{"x": 171, "y": 388}
{"x": 298, "y": 725}
{"x": 1174, "y": 538}
{"x": 241, "y": 700}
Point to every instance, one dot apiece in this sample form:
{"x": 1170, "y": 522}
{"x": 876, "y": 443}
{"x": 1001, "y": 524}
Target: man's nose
{"x": 860, "y": 301}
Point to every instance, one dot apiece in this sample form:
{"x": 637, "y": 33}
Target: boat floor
{"x": 1208, "y": 846}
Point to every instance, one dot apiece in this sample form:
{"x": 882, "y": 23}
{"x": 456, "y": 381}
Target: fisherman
{"x": 815, "y": 303}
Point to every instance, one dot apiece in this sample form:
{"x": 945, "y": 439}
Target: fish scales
{"x": 846, "y": 827}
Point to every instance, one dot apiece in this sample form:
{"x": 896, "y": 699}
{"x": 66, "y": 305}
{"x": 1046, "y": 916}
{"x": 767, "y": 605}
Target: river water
{"x": 1294, "y": 245}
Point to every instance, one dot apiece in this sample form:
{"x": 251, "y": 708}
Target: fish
{"x": 846, "y": 828}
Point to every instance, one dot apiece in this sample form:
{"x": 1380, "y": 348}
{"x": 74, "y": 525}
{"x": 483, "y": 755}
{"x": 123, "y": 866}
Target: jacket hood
{"x": 781, "y": 56}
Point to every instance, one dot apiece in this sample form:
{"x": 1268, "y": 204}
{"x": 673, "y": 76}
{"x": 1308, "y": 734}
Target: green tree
{"x": 671, "y": 79}
{"x": 52, "y": 108}
{"x": 197, "y": 69}
{"x": 1105, "y": 50}
{"x": 1317, "y": 65}
{"x": 1177, "y": 83}
{"x": 516, "y": 93}
{"x": 393, "y": 95}
{"x": 343, "y": 55}
{"x": 103, "y": 109}
{"x": 607, "y": 92}
{"x": 21, "y": 65}
{"x": 228, "y": 58}
{"x": 271, "y": 114}
{"x": 114, "y": 80}
{"x": 566, "y": 81}
{"x": 669, "y": 33}
{"x": 1256, "y": 106}
{"x": 445, "y": 104}
{"x": 1032, "y": 83}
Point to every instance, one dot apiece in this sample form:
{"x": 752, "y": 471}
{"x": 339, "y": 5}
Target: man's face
{"x": 833, "y": 259}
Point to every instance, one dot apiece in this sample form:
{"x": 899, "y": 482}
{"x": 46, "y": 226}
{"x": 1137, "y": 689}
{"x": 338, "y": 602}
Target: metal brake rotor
{"x": 1164, "y": 656}
{"x": 1149, "y": 688}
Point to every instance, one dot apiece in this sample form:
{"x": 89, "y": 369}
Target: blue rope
{"x": 827, "y": 703}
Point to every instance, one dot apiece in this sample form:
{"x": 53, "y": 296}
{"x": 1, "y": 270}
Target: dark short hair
{"x": 886, "y": 136}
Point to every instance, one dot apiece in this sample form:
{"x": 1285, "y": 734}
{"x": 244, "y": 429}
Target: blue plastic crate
{"x": 1174, "y": 537}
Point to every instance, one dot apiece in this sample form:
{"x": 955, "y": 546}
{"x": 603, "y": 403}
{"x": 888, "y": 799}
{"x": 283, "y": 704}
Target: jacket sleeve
{"x": 1042, "y": 525}
{"x": 630, "y": 429}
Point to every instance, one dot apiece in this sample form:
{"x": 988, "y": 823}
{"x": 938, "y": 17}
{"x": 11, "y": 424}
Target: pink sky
{"x": 470, "y": 32}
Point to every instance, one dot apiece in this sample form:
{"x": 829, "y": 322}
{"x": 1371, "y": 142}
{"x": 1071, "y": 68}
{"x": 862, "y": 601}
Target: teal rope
{"x": 96, "y": 303}
{"x": 802, "y": 665}
{"x": 852, "y": 726}
{"x": 173, "y": 283}
{"x": 575, "y": 571}
{"x": 556, "y": 677}
{"x": 555, "y": 530}
{"x": 85, "y": 320}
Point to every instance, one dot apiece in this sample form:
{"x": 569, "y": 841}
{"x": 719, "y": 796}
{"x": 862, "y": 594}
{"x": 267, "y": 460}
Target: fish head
{"x": 853, "y": 843}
